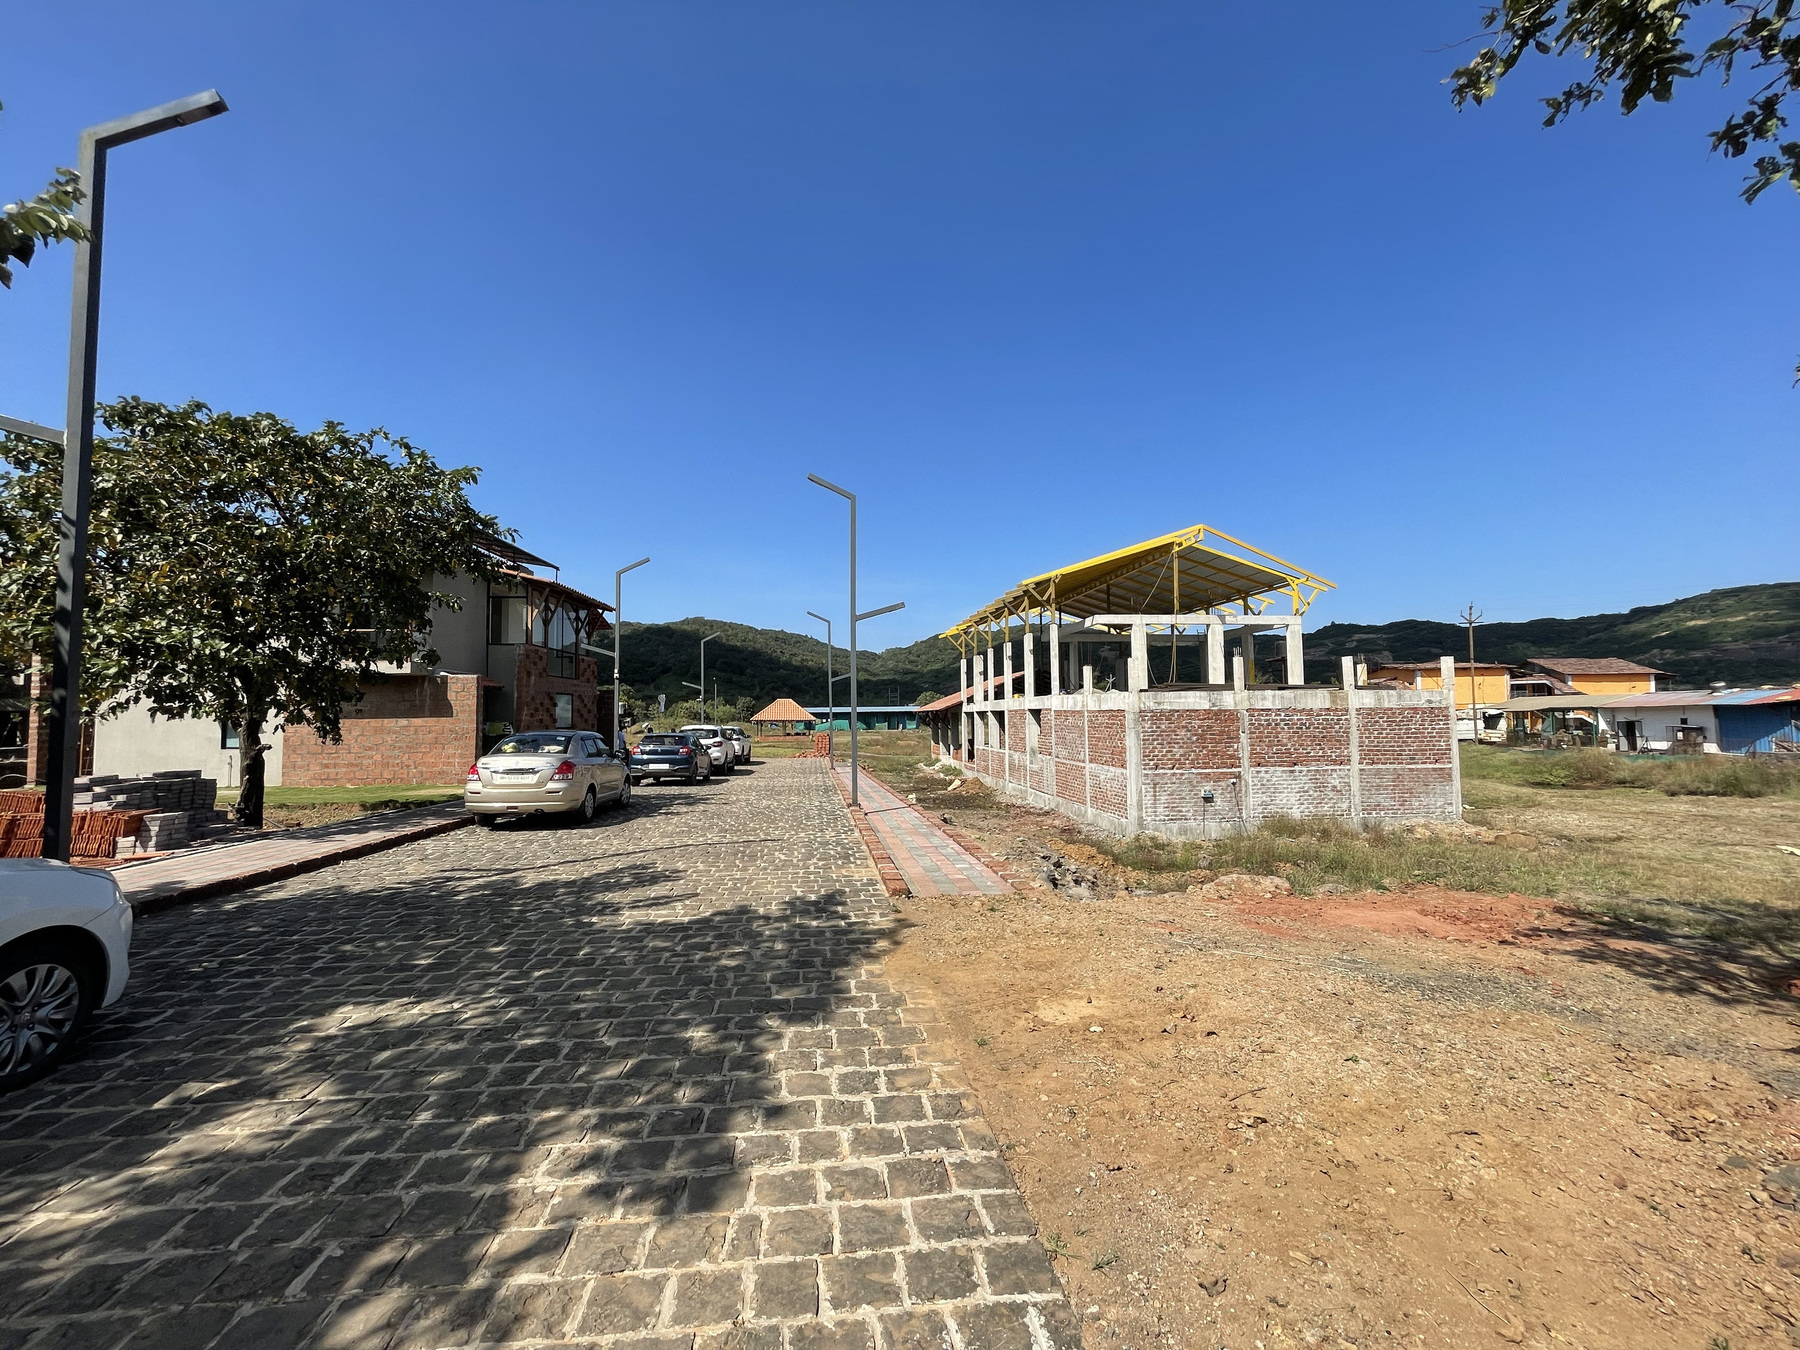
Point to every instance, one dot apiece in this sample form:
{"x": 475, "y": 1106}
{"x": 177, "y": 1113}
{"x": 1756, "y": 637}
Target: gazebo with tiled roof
{"x": 781, "y": 718}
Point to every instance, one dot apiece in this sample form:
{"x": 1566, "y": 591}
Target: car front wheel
{"x": 45, "y": 998}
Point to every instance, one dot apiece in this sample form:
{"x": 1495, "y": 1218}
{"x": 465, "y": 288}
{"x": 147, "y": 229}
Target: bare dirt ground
{"x": 1415, "y": 1117}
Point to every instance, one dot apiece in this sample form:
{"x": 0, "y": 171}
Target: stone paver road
{"x": 636, "y": 1085}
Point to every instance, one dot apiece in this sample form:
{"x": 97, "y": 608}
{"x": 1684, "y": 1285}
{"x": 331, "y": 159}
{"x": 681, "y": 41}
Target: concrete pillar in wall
{"x": 1055, "y": 654}
{"x": 962, "y": 675}
{"x": 981, "y": 676}
{"x": 1006, "y": 668}
{"x": 1349, "y": 679}
{"x": 1087, "y": 679}
{"x": 1296, "y": 653}
{"x": 1237, "y": 672}
{"x": 1215, "y": 652}
{"x": 1030, "y": 660}
{"x": 1447, "y": 664}
{"x": 1140, "y": 657}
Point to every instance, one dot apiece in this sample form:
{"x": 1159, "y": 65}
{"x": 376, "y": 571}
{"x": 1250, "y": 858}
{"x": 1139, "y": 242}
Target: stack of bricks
{"x": 821, "y": 747}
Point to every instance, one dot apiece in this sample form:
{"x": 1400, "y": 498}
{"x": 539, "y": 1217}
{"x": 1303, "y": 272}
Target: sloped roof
{"x": 1703, "y": 698}
{"x": 783, "y": 710}
{"x": 952, "y": 700}
{"x": 1592, "y": 665}
{"x": 1186, "y": 572}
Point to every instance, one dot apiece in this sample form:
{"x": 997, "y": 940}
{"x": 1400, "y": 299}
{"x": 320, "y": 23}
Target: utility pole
{"x": 1472, "y": 616}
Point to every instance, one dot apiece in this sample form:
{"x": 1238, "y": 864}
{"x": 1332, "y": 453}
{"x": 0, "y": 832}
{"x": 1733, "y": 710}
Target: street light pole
{"x": 703, "y": 641}
{"x": 854, "y": 616}
{"x": 830, "y": 690}
{"x": 618, "y": 638}
{"x": 62, "y": 719}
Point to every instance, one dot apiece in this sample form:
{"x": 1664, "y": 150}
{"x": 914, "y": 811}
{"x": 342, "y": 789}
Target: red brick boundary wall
{"x": 408, "y": 729}
{"x": 1207, "y": 763}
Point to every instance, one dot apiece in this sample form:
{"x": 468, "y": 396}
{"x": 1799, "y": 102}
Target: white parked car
{"x": 718, "y": 745}
{"x": 741, "y": 741}
{"x": 65, "y": 950}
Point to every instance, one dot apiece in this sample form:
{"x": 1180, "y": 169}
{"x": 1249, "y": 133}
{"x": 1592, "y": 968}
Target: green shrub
{"x": 1675, "y": 775}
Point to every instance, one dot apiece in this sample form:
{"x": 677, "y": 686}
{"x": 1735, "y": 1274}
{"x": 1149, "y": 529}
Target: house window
{"x": 228, "y": 737}
{"x": 506, "y": 619}
{"x": 565, "y": 709}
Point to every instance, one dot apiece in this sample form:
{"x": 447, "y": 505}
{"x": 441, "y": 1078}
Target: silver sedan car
{"x": 538, "y": 773}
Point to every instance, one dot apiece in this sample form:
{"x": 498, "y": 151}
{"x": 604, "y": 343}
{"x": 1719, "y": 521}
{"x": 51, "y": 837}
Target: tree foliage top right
{"x": 1642, "y": 49}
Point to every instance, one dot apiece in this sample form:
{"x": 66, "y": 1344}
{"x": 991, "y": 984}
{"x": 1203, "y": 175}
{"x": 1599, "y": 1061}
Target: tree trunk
{"x": 250, "y": 788}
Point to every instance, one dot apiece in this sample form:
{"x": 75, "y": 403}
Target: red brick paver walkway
{"x": 931, "y": 861}
{"x": 194, "y": 873}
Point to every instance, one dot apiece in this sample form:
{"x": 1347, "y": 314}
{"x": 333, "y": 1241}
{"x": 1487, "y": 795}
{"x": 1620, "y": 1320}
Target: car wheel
{"x": 731, "y": 764}
{"x": 624, "y": 798}
{"x": 46, "y": 995}
{"x": 589, "y": 806}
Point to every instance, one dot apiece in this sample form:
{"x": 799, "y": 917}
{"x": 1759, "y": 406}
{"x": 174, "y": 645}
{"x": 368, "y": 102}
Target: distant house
{"x": 1593, "y": 675}
{"x": 514, "y": 657}
{"x": 1701, "y": 721}
{"x": 1482, "y": 686}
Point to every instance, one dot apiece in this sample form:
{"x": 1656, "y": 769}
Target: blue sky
{"x": 1039, "y": 279}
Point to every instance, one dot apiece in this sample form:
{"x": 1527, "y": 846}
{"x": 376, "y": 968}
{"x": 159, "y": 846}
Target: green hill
{"x": 763, "y": 664}
{"x": 1744, "y": 635}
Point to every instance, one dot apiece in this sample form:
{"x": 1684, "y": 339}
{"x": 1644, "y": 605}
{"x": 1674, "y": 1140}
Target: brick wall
{"x": 1283, "y": 758}
{"x": 407, "y": 729}
{"x": 535, "y": 690}
{"x": 1106, "y": 739}
{"x": 1189, "y": 738}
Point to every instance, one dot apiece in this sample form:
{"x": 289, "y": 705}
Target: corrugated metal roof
{"x": 1545, "y": 702}
{"x": 1592, "y": 665}
{"x": 1704, "y": 698}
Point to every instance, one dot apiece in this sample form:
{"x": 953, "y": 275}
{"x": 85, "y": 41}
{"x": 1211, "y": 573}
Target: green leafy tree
{"x": 1642, "y": 49}
{"x": 928, "y": 696}
{"x": 47, "y": 218}
{"x": 240, "y": 570}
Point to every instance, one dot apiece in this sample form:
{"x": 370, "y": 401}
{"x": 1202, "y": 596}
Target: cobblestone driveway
{"x": 639, "y": 1084}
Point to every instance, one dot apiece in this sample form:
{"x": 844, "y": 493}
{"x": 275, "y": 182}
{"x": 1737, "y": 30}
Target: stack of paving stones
{"x": 181, "y": 803}
{"x": 639, "y": 1086}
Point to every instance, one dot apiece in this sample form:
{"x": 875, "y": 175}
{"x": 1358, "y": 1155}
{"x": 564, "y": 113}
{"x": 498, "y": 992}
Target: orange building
{"x": 1480, "y": 684}
{"x": 1598, "y": 674}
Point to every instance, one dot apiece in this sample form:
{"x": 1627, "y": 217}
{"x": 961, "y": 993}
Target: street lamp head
{"x": 183, "y": 112}
{"x": 632, "y": 567}
{"x": 831, "y": 487}
{"x": 710, "y": 636}
{"x": 820, "y": 617}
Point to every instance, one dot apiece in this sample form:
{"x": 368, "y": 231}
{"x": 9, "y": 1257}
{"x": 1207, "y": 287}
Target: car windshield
{"x": 668, "y": 738}
{"x": 534, "y": 745}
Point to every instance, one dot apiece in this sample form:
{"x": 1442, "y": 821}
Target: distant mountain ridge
{"x": 1744, "y": 635}
{"x": 764, "y": 664}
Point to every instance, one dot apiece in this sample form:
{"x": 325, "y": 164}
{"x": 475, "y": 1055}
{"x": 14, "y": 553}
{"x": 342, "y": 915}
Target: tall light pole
{"x": 702, "y": 685}
{"x": 618, "y": 637}
{"x": 62, "y": 719}
{"x": 854, "y": 617}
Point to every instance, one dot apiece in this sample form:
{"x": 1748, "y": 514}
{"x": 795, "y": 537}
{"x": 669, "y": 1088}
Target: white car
{"x": 718, "y": 745}
{"x": 65, "y": 950}
{"x": 741, "y": 741}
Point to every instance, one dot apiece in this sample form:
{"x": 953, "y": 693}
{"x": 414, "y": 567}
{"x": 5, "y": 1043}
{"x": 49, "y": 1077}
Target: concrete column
{"x": 1349, "y": 678}
{"x": 1087, "y": 679}
{"x": 1447, "y": 664}
{"x": 1006, "y": 688}
{"x": 1030, "y": 661}
{"x": 1140, "y": 657}
{"x": 962, "y": 674}
{"x": 1237, "y": 672}
{"x": 1296, "y": 653}
{"x": 1215, "y": 652}
{"x": 981, "y": 675}
{"x": 1055, "y": 655}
